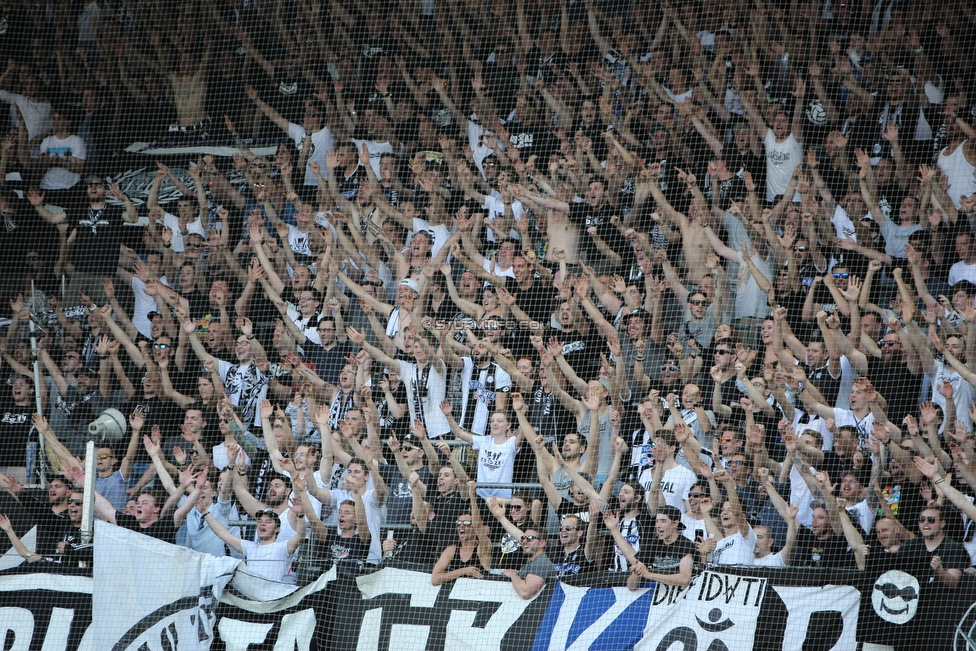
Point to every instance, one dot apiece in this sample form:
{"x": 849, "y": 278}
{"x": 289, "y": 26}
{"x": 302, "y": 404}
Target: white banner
{"x": 716, "y": 611}
{"x": 152, "y": 595}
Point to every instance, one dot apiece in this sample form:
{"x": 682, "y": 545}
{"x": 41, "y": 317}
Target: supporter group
{"x": 531, "y": 289}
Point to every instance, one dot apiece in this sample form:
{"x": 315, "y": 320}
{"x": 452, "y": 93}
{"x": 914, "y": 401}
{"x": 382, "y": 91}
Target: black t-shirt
{"x": 155, "y": 412}
{"x": 825, "y": 383}
{"x": 582, "y": 352}
{"x": 96, "y": 248}
{"x": 536, "y": 301}
{"x": 161, "y": 529}
{"x": 573, "y": 563}
{"x": 15, "y": 427}
{"x": 446, "y": 508}
{"x": 832, "y": 553}
{"x": 328, "y": 363}
{"x": 599, "y": 218}
{"x": 913, "y": 557}
{"x": 399, "y": 498}
{"x": 661, "y": 558}
{"x": 899, "y": 387}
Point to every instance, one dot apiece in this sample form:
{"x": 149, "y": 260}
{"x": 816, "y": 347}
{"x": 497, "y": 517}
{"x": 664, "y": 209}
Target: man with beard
{"x": 485, "y": 386}
{"x": 631, "y": 522}
{"x": 75, "y": 400}
{"x": 953, "y": 371}
{"x": 821, "y": 545}
{"x": 530, "y": 294}
{"x": 425, "y": 379}
{"x": 96, "y": 248}
{"x": 50, "y": 515}
{"x": 279, "y": 490}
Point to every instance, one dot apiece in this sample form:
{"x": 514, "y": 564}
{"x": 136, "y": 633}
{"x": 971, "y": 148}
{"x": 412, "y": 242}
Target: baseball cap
{"x": 411, "y": 283}
{"x": 671, "y": 513}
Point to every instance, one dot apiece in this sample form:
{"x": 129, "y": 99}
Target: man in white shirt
{"x": 62, "y": 156}
{"x": 267, "y": 558}
{"x": 783, "y": 142}
{"x": 736, "y": 543}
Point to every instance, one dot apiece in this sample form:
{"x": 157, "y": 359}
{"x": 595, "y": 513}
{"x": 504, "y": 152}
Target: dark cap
{"x": 91, "y": 371}
{"x": 270, "y": 513}
{"x": 671, "y": 513}
{"x": 639, "y": 312}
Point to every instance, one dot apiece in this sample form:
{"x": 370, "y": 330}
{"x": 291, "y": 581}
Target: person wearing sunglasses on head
{"x": 532, "y": 576}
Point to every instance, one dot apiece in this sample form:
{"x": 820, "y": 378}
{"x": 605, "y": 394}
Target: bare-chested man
{"x": 188, "y": 89}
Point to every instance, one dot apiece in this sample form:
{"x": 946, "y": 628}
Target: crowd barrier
{"x": 147, "y": 596}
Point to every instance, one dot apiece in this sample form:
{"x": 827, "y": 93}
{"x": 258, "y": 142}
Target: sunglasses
{"x": 104, "y": 456}
{"x": 194, "y": 245}
{"x": 694, "y": 495}
{"x": 529, "y": 538}
{"x": 409, "y": 448}
{"x": 727, "y": 439}
{"x": 161, "y": 346}
{"x": 800, "y": 248}
{"x": 96, "y": 184}
{"x": 737, "y": 462}
{"x": 463, "y": 523}
{"x": 489, "y": 164}
{"x": 723, "y": 351}
{"x": 669, "y": 367}
{"x": 784, "y": 276}
{"x": 76, "y": 502}
{"x": 566, "y": 527}
{"x": 843, "y": 275}
{"x": 514, "y": 507}
{"x": 33, "y": 258}
{"x": 887, "y": 343}
{"x": 698, "y": 302}
{"x": 931, "y": 519}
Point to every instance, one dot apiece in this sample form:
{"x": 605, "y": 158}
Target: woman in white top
{"x": 736, "y": 540}
{"x": 496, "y": 451}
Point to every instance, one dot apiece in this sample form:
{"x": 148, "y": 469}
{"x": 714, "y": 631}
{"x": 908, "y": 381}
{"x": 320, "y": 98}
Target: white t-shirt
{"x": 735, "y": 549}
{"x": 781, "y": 159}
{"x": 495, "y": 207}
{"x": 496, "y": 463}
{"x": 675, "y": 485}
{"x": 962, "y": 271}
{"x": 375, "y": 516}
{"x": 298, "y": 241}
{"x": 962, "y": 394}
{"x": 770, "y": 560}
{"x": 750, "y": 300}
{"x": 862, "y": 514}
{"x": 376, "y": 149}
{"x": 864, "y": 426}
{"x": 271, "y": 561}
{"x": 59, "y": 178}
{"x": 322, "y": 142}
{"x": 144, "y": 304}
{"x": 424, "y": 398}
{"x": 843, "y": 226}
{"x": 493, "y": 267}
{"x": 172, "y": 222}
{"x": 441, "y": 234}
{"x": 692, "y": 527}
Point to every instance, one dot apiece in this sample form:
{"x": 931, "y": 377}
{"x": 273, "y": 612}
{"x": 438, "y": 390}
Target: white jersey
{"x": 735, "y": 549}
{"x": 479, "y": 390}
{"x": 675, "y": 485}
{"x": 781, "y": 159}
{"x": 425, "y": 392}
{"x": 321, "y": 143}
{"x": 496, "y": 464}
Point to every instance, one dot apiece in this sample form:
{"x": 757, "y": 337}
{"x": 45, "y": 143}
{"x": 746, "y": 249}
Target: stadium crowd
{"x": 703, "y": 271}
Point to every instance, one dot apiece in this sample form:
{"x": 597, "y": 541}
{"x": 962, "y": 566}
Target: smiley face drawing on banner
{"x": 895, "y": 597}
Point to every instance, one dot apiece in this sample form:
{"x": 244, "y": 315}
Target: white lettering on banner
{"x": 716, "y": 611}
{"x": 459, "y": 628}
{"x": 482, "y": 627}
{"x": 20, "y": 623}
{"x": 238, "y": 635}
{"x": 803, "y": 605}
{"x": 58, "y": 629}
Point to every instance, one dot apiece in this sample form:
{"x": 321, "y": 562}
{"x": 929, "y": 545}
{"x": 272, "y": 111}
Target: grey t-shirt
{"x": 540, "y": 566}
